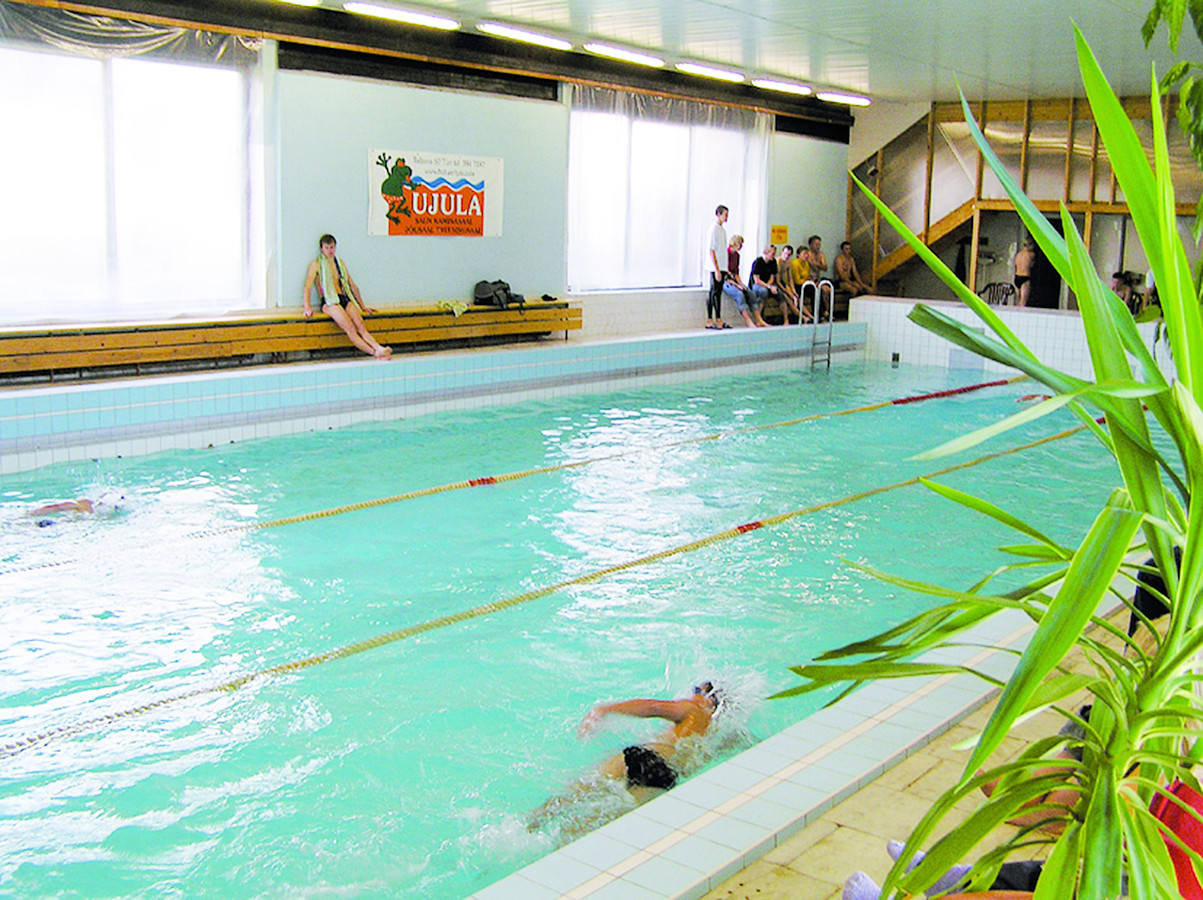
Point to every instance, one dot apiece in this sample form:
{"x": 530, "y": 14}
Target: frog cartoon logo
{"x": 396, "y": 189}
{"x": 437, "y": 207}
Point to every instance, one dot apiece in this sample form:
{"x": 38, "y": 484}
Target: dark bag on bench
{"x": 496, "y": 293}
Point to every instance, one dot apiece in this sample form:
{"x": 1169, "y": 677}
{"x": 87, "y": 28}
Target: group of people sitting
{"x": 776, "y": 280}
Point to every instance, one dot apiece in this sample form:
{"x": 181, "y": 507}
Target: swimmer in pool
{"x": 644, "y": 770}
{"x": 109, "y": 501}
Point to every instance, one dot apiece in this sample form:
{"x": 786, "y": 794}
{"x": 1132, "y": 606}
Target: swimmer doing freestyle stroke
{"x": 647, "y": 769}
{"x": 109, "y": 501}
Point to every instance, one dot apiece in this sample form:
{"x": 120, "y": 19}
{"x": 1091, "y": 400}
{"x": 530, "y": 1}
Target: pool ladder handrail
{"x": 817, "y": 342}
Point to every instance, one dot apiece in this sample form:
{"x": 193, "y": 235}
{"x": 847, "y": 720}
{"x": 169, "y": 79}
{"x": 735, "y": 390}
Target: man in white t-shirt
{"x": 716, "y": 263}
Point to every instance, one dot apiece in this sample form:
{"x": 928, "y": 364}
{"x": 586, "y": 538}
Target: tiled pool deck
{"x": 52, "y": 424}
{"x": 796, "y": 814}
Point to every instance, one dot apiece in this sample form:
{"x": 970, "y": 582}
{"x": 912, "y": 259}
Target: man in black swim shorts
{"x": 649, "y": 767}
{"x": 643, "y": 770}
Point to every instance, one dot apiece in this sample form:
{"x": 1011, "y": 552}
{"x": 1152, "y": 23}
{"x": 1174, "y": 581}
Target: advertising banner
{"x": 434, "y": 194}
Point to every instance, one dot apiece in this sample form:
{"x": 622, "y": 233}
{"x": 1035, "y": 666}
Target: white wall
{"x": 327, "y": 124}
{"x": 879, "y": 124}
{"x": 808, "y": 192}
{"x": 1057, "y": 337}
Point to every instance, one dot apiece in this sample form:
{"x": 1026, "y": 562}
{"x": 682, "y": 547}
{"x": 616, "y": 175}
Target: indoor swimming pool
{"x": 408, "y": 768}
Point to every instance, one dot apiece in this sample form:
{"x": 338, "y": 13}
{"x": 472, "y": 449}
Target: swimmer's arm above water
{"x": 82, "y": 505}
{"x": 672, "y": 710}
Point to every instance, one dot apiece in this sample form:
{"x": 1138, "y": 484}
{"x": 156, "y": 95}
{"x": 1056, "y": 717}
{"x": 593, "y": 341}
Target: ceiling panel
{"x": 889, "y": 49}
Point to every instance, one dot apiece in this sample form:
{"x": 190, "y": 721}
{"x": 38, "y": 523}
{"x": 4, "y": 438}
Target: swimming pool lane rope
{"x": 542, "y": 470}
{"x": 488, "y": 609}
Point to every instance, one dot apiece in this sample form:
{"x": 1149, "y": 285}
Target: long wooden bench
{"x": 266, "y": 337}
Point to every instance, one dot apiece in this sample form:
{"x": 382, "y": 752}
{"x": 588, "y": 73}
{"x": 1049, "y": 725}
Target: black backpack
{"x": 496, "y": 293}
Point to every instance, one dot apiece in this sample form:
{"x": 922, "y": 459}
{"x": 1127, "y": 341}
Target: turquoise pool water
{"x": 408, "y": 770}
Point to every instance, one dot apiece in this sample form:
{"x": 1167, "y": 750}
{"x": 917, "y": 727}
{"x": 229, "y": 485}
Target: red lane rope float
{"x": 952, "y": 392}
{"x": 542, "y": 470}
{"x": 487, "y": 609}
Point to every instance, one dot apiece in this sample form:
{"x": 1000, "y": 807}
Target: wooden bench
{"x": 267, "y": 337}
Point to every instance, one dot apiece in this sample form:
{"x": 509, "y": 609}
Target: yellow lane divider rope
{"x": 487, "y": 609}
{"x": 542, "y": 470}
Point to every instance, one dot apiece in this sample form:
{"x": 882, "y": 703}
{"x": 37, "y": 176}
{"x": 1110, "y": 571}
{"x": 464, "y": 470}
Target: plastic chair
{"x": 998, "y": 293}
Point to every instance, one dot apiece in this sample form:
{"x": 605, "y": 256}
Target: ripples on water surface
{"x": 407, "y": 770}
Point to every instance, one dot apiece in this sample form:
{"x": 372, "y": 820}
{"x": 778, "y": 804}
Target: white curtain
{"x": 644, "y": 177}
{"x": 129, "y": 187}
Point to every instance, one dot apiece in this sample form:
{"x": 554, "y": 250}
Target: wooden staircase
{"x": 938, "y": 230}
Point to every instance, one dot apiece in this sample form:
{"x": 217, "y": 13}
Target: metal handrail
{"x": 816, "y": 342}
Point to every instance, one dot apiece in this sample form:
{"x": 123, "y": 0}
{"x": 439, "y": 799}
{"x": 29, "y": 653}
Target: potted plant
{"x": 1143, "y": 731}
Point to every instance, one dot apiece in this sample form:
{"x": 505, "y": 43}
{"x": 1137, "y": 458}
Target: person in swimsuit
{"x": 640, "y": 770}
{"x": 107, "y": 502}
{"x": 847, "y": 276}
{"x": 335, "y": 289}
{"x": 1023, "y": 271}
{"x": 648, "y": 768}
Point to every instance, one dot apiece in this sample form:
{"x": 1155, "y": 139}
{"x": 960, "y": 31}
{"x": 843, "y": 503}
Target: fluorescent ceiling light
{"x": 784, "y": 86}
{"x": 303, "y": 2}
{"x": 527, "y": 37}
{"x": 639, "y": 59}
{"x": 708, "y": 72}
{"x": 849, "y": 99}
{"x": 402, "y": 15}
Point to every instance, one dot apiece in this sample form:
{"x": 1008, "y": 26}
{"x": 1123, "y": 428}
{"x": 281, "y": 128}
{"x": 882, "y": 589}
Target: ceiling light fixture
{"x": 848, "y": 99}
{"x": 709, "y": 72}
{"x": 303, "y": 2}
{"x": 639, "y": 59}
{"x": 402, "y": 15}
{"x": 785, "y": 87}
{"x": 527, "y": 37}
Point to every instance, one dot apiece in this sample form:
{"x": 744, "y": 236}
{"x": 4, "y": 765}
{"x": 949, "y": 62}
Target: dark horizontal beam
{"x": 339, "y": 30}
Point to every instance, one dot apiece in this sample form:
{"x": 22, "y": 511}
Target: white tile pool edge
{"x": 46, "y": 425}
{"x": 685, "y": 843}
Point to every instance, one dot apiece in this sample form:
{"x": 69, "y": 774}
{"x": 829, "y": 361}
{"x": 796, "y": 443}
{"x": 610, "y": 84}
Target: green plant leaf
{"x": 986, "y": 508}
{"x": 1151, "y": 871}
{"x": 1028, "y": 414}
{"x": 1127, "y": 156}
{"x": 1052, "y": 691}
{"x": 1129, "y": 429}
{"x": 1038, "y": 552}
{"x": 963, "y": 336}
{"x": 1088, "y": 579}
{"x": 1175, "y": 281}
{"x": 1059, "y": 878}
{"x": 1102, "y": 844}
{"x": 1176, "y": 73}
{"x": 968, "y": 297}
{"x": 1035, "y": 221}
{"x": 821, "y": 676}
{"x": 953, "y": 847}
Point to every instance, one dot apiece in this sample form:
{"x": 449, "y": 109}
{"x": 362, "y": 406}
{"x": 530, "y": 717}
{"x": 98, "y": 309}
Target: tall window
{"x": 644, "y": 176}
{"x": 127, "y": 188}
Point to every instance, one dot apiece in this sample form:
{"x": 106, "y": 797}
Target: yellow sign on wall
{"x": 778, "y": 234}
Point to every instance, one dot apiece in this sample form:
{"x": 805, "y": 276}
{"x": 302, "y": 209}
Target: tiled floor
{"x": 813, "y": 864}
